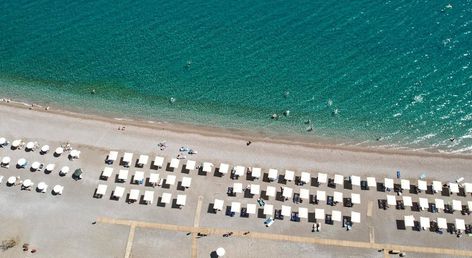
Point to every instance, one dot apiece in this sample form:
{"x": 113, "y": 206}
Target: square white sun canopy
{"x": 218, "y": 204}
{"x": 469, "y": 205}
{"x": 460, "y": 224}
{"x": 251, "y": 208}
{"x": 388, "y": 182}
{"x": 303, "y": 212}
{"x": 405, "y": 184}
{"x": 255, "y": 189}
{"x": 356, "y": 180}
{"x": 268, "y": 209}
{"x": 170, "y": 179}
{"x": 468, "y": 187}
{"x": 148, "y": 196}
{"x": 338, "y": 179}
{"x": 407, "y": 201}
{"x": 336, "y": 215}
{"x": 138, "y": 176}
{"x": 166, "y": 198}
{"x": 371, "y": 182}
{"x": 128, "y": 157}
{"x": 273, "y": 174}
{"x": 338, "y": 197}
{"x": 123, "y": 175}
{"x": 271, "y": 191}
{"x": 289, "y": 175}
{"x": 409, "y": 221}
{"x": 423, "y": 203}
{"x": 181, "y": 199}
{"x": 425, "y": 222}
{"x": 355, "y": 198}
{"x": 305, "y": 177}
{"x": 256, "y": 172}
{"x": 322, "y": 178}
{"x": 190, "y": 165}
{"x": 158, "y": 161}
{"x": 422, "y": 185}
{"x": 153, "y": 178}
{"x": 239, "y": 170}
{"x": 319, "y": 214}
{"x": 456, "y": 205}
{"x": 223, "y": 168}
{"x": 304, "y": 194}
{"x": 355, "y": 217}
{"x": 391, "y": 199}
{"x": 437, "y": 186}
{"x": 186, "y": 181}
{"x": 320, "y": 195}
{"x": 143, "y": 160}
{"x": 102, "y": 189}
{"x": 118, "y": 192}
{"x": 439, "y": 203}
{"x": 442, "y": 223}
{"x": 112, "y": 156}
{"x": 174, "y": 163}
{"x": 207, "y": 166}
{"x": 134, "y": 194}
{"x": 454, "y": 187}
{"x": 287, "y": 192}
{"x": 235, "y": 207}
{"x": 237, "y": 187}
{"x": 286, "y": 210}
{"x": 107, "y": 171}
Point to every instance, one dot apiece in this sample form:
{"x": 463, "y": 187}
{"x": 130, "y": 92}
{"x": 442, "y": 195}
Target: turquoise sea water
{"x": 397, "y": 71}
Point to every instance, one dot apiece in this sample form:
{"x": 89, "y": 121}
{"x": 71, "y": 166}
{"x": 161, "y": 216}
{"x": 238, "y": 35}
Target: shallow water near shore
{"x": 393, "y": 74}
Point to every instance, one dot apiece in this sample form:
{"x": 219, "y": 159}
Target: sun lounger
{"x": 148, "y": 197}
{"x": 106, "y": 173}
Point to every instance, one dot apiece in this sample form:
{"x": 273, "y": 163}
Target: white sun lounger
{"x": 271, "y": 191}
{"x": 223, "y": 169}
{"x": 107, "y": 171}
{"x": 148, "y": 197}
{"x": 289, "y": 175}
{"x": 256, "y": 173}
{"x": 181, "y": 199}
{"x": 305, "y": 177}
{"x": 322, "y": 178}
{"x": 186, "y": 181}
{"x": 133, "y": 195}
{"x": 158, "y": 161}
{"x": 218, "y": 204}
{"x": 273, "y": 174}
{"x": 143, "y": 160}
{"x": 123, "y": 175}
{"x": 286, "y": 211}
{"x": 190, "y": 165}
{"x": 255, "y": 189}
{"x": 268, "y": 209}
{"x": 166, "y": 198}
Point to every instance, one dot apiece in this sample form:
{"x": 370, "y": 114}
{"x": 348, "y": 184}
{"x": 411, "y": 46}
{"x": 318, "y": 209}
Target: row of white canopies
{"x": 251, "y": 208}
{"x": 424, "y": 203}
{"x": 22, "y": 163}
{"x": 139, "y": 176}
{"x": 44, "y": 149}
{"x": 27, "y": 184}
{"x": 422, "y": 185}
{"x": 425, "y": 222}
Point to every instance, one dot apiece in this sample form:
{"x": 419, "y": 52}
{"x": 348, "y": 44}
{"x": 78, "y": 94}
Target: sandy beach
{"x": 61, "y": 226}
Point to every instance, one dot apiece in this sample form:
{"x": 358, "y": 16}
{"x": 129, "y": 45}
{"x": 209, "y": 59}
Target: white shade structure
{"x": 107, "y": 171}
{"x": 181, "y": 199}
{"x": 460, "y": 224}
{"x": 239, "y": 170}
{"x": 322, "y": 178}
{"x": 407, "y": 201}
{"x": 174, "y": 163}
{"x": 405, "y": 184}
{"x": 6, "y": 160}
{"x": 273, "y": 174}
{"x": 186, "y": 181}
{"x": 320, "y": 195}
{"x": 469, "y": 205}
{"x": 207, "y": 167}
{"x": 42, "y": 187}
{"x": 271, "y": 191}
{"x": 45, "y": 149}
{"x": 190, "y": 165}
{"x": 305, "y": 177}
{"x": 16, "y": 143}
{"x": 30, "y": 145}
{"x": 158, "y": 161}
{"x": 355, "y": 198}
{"x": 319, "y": 214}
{"x": 268, "y": 209}
{"x": 123, "y": 175}
{"x": 423, "y": 202}
{"x": 59, "y": 151}
{"x": 371, "y": 182}
{"x": 112, "y": 156}
{"x": 355, "y": 217}
{"x": 456, "y": 205}
{"x": 58, "y": 189}
{"x": 170, "y": 179}
{"x": 388, "y": 183}
{"x": 422, "y": 185}
{"x": 289, "y": 175}
{"x": 220, "y": 252}
{"x": 236, "y": 207}
{"x": 454, "y": 187}
{"x": 143, "y": 160}
{"x": 223, "y": 169}
{"x": 166, "y": 198}
{"x": 336, "y": 215}
{"x": 286, "y": 210}
{"x": 468, "y": 187}
{"x": 409, "y": 221}
{"x": 391, "y": 199}
{"x": 304, "y": 194}
{"x": 439, "y": 203}
{"x": 218, "y": 204}
{"x": 425, "y": 222}
{"x": 237, "y": 187}
{"x": 338, "y": 179}
{"x": 75, "y": 154}
{"x": 148, "y": 197}
{"x": 133, "y": 195}
{"x": 442, "y": 223}
{"x": 251, "y": 208}
{"x": 138, "y": 177}
{"x": 21, "y": 162}
{"x": 101, "y": 189}
{"x": 27, "y": 183}
{"x": 153, "y": 178}
{"x": 11, "y": 180}
{"x": 64, "y": 170}
{"x": 287, "y": 192}
{"x": 255, "y": 189}
{"x": 127, "y": 158}
{"x": 303, "y": 212}
{"x": 3, "y": 141}
{"x": 256, "y": 173}
{"x": 50, "y": 167}
{"x": 356, "y": 180}
{"x": 338, "y": 197}
{"x": 437, "y": 186}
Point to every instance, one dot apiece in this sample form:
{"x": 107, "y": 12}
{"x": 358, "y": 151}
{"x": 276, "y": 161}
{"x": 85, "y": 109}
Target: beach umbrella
{"x": 35, "y": 165}
{"x": 6, "y": 160}
{"x": 3, "y": 141}
{"x": 45, "y": 148}
{"x": 59, "y": 150}
{"x": 21, "y": 162}
{"x": 30, "y": 145}
{"x": 220, "y": 251}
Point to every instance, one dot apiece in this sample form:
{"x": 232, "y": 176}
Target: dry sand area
{"x": 63, "y": 225}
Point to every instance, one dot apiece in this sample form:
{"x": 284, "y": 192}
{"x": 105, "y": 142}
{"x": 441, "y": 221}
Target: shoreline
{"x": 235, "y": 134}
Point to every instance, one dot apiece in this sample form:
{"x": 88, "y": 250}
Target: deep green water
{"x": 358, "y": 70}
